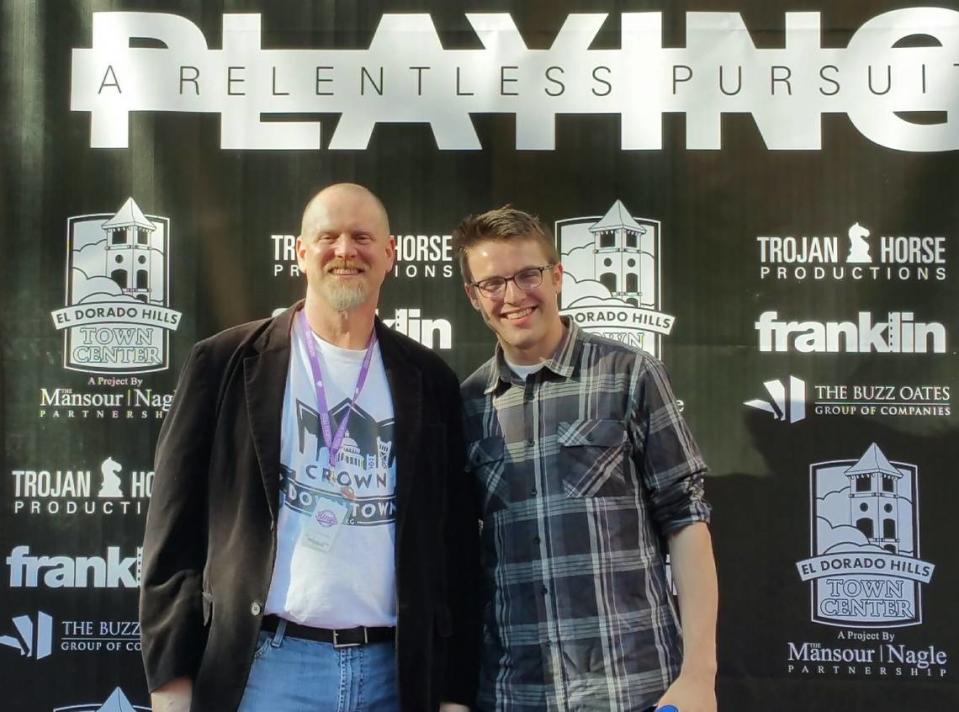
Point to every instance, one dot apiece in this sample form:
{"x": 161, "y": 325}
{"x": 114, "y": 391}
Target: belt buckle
{"x": 337, "y": 644}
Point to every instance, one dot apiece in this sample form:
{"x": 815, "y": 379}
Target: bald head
{"x": 345, "y": 249}
{"x": 341, "y": 198}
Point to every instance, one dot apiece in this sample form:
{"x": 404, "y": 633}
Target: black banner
{"x": 762, "y": 195}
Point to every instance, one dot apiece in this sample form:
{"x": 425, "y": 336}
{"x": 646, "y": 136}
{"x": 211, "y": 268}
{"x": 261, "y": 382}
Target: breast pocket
{"x": 594, "y": 458}
{"x": 486, "y": 460}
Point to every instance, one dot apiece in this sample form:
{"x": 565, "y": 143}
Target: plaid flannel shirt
{"x": 583, "y": 471}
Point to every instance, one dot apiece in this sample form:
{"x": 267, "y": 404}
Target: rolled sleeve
{"x": 667, "y": 456}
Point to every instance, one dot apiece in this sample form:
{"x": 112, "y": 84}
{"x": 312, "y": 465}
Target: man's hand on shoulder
{"x": 453, "y": 707}
{"x": 691, "y": 693}
{"x": 174, "y": 696}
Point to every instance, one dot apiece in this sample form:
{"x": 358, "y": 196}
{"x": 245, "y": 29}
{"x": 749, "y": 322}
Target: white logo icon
{"x": 858, "y": 256}
{"x": 117, "y": 318}
{"x": 858, "y": 245}
{"x": 898, "y": 333}
{"x": 112, "y": 571}
{"x": 611, "y": 281}
{"x": 865, "y": 569}
{"x": 32, "y": 639}
{"x": 786, "y": 405}
{"x": 110, "y": 483}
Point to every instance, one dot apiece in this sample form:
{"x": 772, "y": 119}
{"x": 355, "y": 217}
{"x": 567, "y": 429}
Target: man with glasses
{"x": 588, "y": 476}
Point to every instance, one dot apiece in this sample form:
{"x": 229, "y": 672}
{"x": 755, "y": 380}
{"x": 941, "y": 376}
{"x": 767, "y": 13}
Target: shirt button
{"x": 545, "y": 591}
{"x": 529, "y": 441}
{"x": 533, "y": 491}
{"x": 536, "y": 540}
{"x": 256, "y": 608}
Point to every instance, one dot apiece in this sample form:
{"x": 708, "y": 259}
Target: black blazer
{"x": 210, "y": 538}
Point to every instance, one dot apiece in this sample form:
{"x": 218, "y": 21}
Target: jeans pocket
{"x": 594, "y": 458}
{"x": 262, "y": 644}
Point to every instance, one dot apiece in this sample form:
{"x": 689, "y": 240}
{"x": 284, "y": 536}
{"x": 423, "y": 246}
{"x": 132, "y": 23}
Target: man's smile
{"x": 517, "y": 314}
{"x": 344, "y": 269}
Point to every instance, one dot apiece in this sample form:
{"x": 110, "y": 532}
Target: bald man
{"x": 311, "y": 540}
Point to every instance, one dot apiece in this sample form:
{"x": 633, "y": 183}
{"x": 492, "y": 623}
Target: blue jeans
{"x": 296, "y": 675}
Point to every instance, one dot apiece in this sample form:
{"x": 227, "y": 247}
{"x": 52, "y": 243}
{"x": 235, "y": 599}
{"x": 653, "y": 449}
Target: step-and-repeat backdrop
{"x": 763, "y": 194}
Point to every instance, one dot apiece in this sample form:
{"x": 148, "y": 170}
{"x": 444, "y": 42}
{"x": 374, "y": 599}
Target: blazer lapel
{"x": 406, "y": 384}
{"x": 265, "y": 381}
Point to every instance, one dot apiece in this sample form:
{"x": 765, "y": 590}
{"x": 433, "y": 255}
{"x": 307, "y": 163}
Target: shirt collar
{"x": 562, "y": 362}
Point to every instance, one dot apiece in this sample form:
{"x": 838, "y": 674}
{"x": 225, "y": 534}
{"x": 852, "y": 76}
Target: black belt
{"x": 341, "y": 638}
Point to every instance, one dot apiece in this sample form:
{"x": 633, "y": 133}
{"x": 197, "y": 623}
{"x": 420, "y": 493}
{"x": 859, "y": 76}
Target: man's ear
{"x": 391, "y": 253}
{"x": 300, "y": 249}
{"x": 471, "y": 295}
{"x": 557, "y": 275}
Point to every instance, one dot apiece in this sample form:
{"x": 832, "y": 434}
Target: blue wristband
{"x": 667, "y": 708}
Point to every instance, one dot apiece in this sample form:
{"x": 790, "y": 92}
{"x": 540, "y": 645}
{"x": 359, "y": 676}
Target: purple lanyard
{"x": 333, "y": 442}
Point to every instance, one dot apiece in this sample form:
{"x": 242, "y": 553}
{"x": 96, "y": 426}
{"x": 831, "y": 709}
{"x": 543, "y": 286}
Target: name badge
{"x": 328, "y": 517}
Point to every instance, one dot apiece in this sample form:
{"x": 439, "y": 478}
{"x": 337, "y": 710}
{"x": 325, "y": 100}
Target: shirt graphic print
{"x": 351, "y": 502}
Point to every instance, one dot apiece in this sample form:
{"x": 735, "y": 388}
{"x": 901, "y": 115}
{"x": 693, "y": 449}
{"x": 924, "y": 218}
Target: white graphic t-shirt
{"x": 334, "y": 559}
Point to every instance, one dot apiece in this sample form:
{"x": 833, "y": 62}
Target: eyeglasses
{"x": 526, "y": 279}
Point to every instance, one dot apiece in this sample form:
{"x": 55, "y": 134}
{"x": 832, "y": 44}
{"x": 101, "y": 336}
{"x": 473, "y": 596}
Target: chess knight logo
{"x": 865, "y": 570}
{"x": 117, "y": 317}
{"x": 611, "y": 284}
